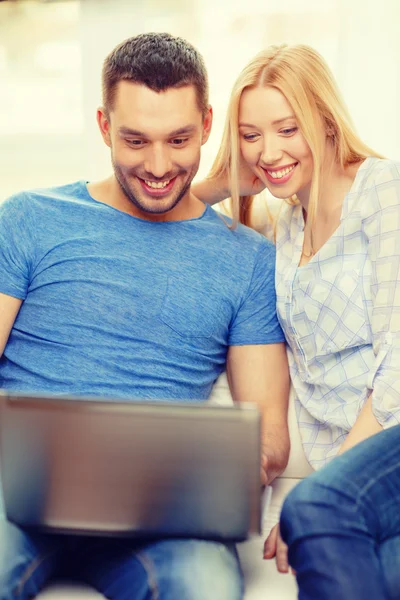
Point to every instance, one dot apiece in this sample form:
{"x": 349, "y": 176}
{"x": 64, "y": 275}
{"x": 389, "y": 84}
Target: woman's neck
{"x": 335, "y": 183}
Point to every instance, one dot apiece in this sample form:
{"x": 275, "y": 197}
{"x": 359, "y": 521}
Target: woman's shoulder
{"x": 377, "y": 193}
{"x": 377, "y": 185}
{"x": 376, "y": 171}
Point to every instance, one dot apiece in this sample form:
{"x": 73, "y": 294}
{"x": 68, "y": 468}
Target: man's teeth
{"x": 282, "y": 173}
{"x": 157, "y": 184}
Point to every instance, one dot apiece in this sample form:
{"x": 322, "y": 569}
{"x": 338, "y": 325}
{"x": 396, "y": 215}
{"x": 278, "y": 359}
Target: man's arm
{"x": 9, "y": 307}
{"x": 259, "y": 374}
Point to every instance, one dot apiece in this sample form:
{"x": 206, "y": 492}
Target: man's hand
{"x": 264, "y": 470}
{"x": 275, "y": 547}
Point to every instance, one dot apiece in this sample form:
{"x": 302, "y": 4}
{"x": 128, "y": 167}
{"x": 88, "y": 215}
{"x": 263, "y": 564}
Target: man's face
{"x": 155, "y": 140}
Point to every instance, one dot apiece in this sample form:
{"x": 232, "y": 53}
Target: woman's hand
{"x": 249, "y": 183}
{"x": 214, "y": 189}
{"x": 275, "y": 546}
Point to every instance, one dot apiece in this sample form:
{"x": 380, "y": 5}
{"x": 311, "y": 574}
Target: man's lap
{"x": 119, "y": 568}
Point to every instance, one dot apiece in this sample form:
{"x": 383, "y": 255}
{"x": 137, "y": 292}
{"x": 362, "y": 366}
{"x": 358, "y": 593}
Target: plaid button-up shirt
{"x": 341, "y": 311}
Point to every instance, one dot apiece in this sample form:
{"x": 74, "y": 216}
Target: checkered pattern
{"x": 341, "y": 312}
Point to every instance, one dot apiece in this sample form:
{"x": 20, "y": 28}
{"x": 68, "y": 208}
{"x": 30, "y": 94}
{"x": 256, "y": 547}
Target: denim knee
{"x": 6, "y": 589}
{"x": 10, "y": 551}
{"x": 292, "y": 512}
{"x": 194, "y": 570}
{"x": 26, "y": 561}
{"x": 313, "y": 508}
{"x": 10, "y": 584}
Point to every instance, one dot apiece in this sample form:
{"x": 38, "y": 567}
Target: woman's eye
{"x": 289, "y": 130}
{"x": 250, "y": 137}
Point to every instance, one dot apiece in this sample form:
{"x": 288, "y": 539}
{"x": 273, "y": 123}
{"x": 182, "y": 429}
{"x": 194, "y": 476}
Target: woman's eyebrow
{"x": 276, "y": 122}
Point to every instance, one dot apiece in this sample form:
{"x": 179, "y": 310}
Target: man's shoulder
{"x": 33, "y": 196}
{"x": 240, "y": 236}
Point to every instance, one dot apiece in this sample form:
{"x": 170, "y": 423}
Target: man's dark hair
{"x": 159, "y": 61}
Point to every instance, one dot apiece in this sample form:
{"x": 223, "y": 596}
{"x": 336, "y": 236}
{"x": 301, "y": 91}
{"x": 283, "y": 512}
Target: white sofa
{"x": 262, "y": 580}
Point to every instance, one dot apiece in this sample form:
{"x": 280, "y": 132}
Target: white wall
{"x": 48, "y": 132}
{"x": 360, "y": 42}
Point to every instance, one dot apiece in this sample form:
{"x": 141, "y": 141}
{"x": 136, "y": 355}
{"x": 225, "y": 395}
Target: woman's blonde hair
{"x": 304, "y": 78}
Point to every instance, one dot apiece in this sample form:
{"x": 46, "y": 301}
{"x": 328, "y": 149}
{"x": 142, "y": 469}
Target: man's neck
{"x": 108, "y": 191}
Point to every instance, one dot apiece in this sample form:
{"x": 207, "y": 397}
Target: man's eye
{"x": 135, "y": 142}
{"x": 179, "y": 141}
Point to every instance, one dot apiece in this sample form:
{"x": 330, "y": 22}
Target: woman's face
{"x": 272, "y": 144}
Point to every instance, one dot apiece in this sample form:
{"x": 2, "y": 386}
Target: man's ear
{"x": 103, "y": 121}
{"x": 207, "y": 123}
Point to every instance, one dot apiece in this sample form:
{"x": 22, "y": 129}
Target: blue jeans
{"x": 121, "y": 569}
{"x": 342, "y": 524}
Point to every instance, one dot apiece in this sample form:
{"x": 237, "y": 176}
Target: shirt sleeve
{"x": 15, "y": 247}
{"x": 382, "y": 228}
{"x": 256, "y": 321}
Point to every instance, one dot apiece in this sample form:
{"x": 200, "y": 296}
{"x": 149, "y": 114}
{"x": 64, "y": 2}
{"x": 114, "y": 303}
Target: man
{"x": 130, "y": 287}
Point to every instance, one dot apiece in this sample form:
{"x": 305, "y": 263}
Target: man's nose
{"x": 158, "y": 162}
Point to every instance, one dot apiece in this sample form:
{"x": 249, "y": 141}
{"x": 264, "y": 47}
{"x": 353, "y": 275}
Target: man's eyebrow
{"x": 129, "y": 131}
{"x": 182, "y": 131}
{"x": 276, "y": 122}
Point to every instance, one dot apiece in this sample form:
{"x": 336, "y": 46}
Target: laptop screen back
{"x": 145, "y": 469}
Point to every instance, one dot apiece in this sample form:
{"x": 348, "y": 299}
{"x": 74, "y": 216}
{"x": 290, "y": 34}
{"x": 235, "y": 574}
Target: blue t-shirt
{"x": 119, "y": 307}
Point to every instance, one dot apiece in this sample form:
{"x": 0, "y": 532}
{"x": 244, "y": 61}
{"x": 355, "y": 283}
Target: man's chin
{"x": 156, "y": 209}
{"x": 155, "y": 203}
{"x": 155, "y": 206}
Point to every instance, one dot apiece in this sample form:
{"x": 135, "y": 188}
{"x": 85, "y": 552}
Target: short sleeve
{"x": 256, "y": 321}
{"x": 15, "y": 247}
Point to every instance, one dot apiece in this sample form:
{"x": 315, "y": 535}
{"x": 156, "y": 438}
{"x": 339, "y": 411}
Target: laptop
{"x": 143, "y": 468}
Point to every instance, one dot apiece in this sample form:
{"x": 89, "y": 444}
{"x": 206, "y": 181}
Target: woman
{"x": 338, "y": 245}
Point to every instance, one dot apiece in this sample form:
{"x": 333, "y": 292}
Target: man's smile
{"x": 157, "y": 188}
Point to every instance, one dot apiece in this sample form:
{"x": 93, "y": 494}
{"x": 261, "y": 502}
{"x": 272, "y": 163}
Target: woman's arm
{"x": 211, "y": 190}
{"x": 381, "y": 224}
{"x": 216, "y": 188}
{"x": 365, "y": 426}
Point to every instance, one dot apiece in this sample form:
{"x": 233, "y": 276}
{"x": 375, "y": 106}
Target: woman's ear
{"x": 330, "y": 130}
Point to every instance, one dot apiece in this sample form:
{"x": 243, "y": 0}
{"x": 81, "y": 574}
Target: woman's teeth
{"x": 280, "y": 174}
{"x": 157, "y": 184}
